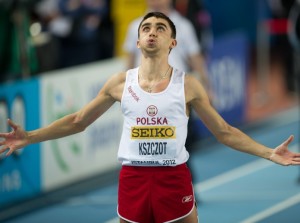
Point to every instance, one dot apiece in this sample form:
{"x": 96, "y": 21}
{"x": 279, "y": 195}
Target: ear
{"x": 138, "y": 43}
{"x": 173, "y": 44}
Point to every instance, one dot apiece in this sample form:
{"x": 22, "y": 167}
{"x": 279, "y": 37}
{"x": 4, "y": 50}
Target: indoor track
{"x": 231, "y": 186}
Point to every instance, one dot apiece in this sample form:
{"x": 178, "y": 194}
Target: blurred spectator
{"x": 294, "y": 37}
{"x": 78, "y": 32}
{"x": 283, "y": 49}
{"x": 17, "y": 53}
{"x": 50, "y": 27}
{"x": 85, "y": 41}
{"x": 195, "y": 11}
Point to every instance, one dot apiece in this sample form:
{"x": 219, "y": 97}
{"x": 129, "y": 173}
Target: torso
{"x": 155, "y": 124}
{"x": 117, "y": 90}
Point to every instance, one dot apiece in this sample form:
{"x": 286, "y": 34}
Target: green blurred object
{"x": 17, "y": 53}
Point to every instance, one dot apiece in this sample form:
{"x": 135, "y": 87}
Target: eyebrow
{"x": 156, "y": 24}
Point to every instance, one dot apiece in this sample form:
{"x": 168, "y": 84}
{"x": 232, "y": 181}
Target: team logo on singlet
{"x": 152, "y": 110}
{"x": 133, "y": 94}
{"x": 153, "y": 132}
{"x": 152, "y": 127}
{"x": 153, "y": 119}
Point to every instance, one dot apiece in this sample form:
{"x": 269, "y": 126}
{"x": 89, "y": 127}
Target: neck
{"x": 153, "y": 65}
{"x": 153, "y": 70}
{"x": 152, "y": 84}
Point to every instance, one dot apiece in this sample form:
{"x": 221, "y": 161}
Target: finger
{"x": 289, "y": 140}
{"x": 296, "y": 154}
{"x": 10, "y": 151}
{"x": 297, "y": 159}
{"x": 3, "y": 135}
{"x": 12, "y": 124}
{"x": 3, "y": 149}
{"x": 295, "y": 163}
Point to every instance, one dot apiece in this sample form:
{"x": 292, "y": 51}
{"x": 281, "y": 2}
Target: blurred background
{"x": 55, "y": 55}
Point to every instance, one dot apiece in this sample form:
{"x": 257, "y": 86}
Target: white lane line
{"x": 236, "y": 173}
{"x": 232, "y": 175}
{"x": 273, "y": 210}
{"x": 114, "y": 220}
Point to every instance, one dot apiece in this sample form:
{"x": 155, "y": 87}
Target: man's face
{"x": 155, "y": 35}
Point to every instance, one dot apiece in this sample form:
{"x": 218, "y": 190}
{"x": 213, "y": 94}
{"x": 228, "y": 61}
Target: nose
{"x": 152, "y": 32}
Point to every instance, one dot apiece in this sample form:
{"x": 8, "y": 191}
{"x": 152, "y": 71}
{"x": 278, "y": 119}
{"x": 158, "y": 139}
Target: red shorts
{"x": 155, "y": 194}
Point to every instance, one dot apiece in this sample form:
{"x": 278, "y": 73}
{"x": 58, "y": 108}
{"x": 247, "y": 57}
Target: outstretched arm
{"x": 231, "y": 136}
{"x": 67, "y": 125}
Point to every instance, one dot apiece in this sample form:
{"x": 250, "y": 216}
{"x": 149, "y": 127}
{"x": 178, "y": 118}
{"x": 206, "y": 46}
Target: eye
{"x": 161, "y": 28}
{"x": 146, "y": 29}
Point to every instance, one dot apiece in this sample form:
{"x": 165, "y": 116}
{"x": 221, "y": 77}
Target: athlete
{"x": 188, "y": 56}
{"x": 155, "y": 184}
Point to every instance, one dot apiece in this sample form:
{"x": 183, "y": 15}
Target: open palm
{"x": 13, "y": 140}
{"x": 283, "y": 156}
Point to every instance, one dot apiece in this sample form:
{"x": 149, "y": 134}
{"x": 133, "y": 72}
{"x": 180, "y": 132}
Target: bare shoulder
{"x": 189, "y": 79}
{"x": 117, "y": 78}
{"x": 193, "y": 88}
{"x": 115, "y": 85}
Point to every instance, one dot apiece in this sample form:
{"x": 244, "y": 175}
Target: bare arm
{"x": 69, "y": 124}
{"x": 231, "y": 136}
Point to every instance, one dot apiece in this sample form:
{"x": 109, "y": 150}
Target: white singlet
{"x": 155, "y": 124}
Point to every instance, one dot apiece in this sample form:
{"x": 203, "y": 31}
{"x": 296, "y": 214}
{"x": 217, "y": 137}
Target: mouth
{"x": 151, "y": 41}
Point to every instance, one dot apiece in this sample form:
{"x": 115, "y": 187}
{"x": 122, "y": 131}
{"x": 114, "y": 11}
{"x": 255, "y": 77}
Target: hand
{"x": 281, "y": 155}
{"x": 16, "y": 139}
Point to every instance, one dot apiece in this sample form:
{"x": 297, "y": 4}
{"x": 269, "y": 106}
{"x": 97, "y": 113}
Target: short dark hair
{"x": 161, "y": 16}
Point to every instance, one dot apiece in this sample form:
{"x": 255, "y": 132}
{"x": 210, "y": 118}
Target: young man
{"x": 186, "y": 56}
{"x": 155, "y": 184}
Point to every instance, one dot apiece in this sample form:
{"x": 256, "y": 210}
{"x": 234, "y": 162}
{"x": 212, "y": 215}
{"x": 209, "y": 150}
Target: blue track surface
{"x": 232, "y": 186}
